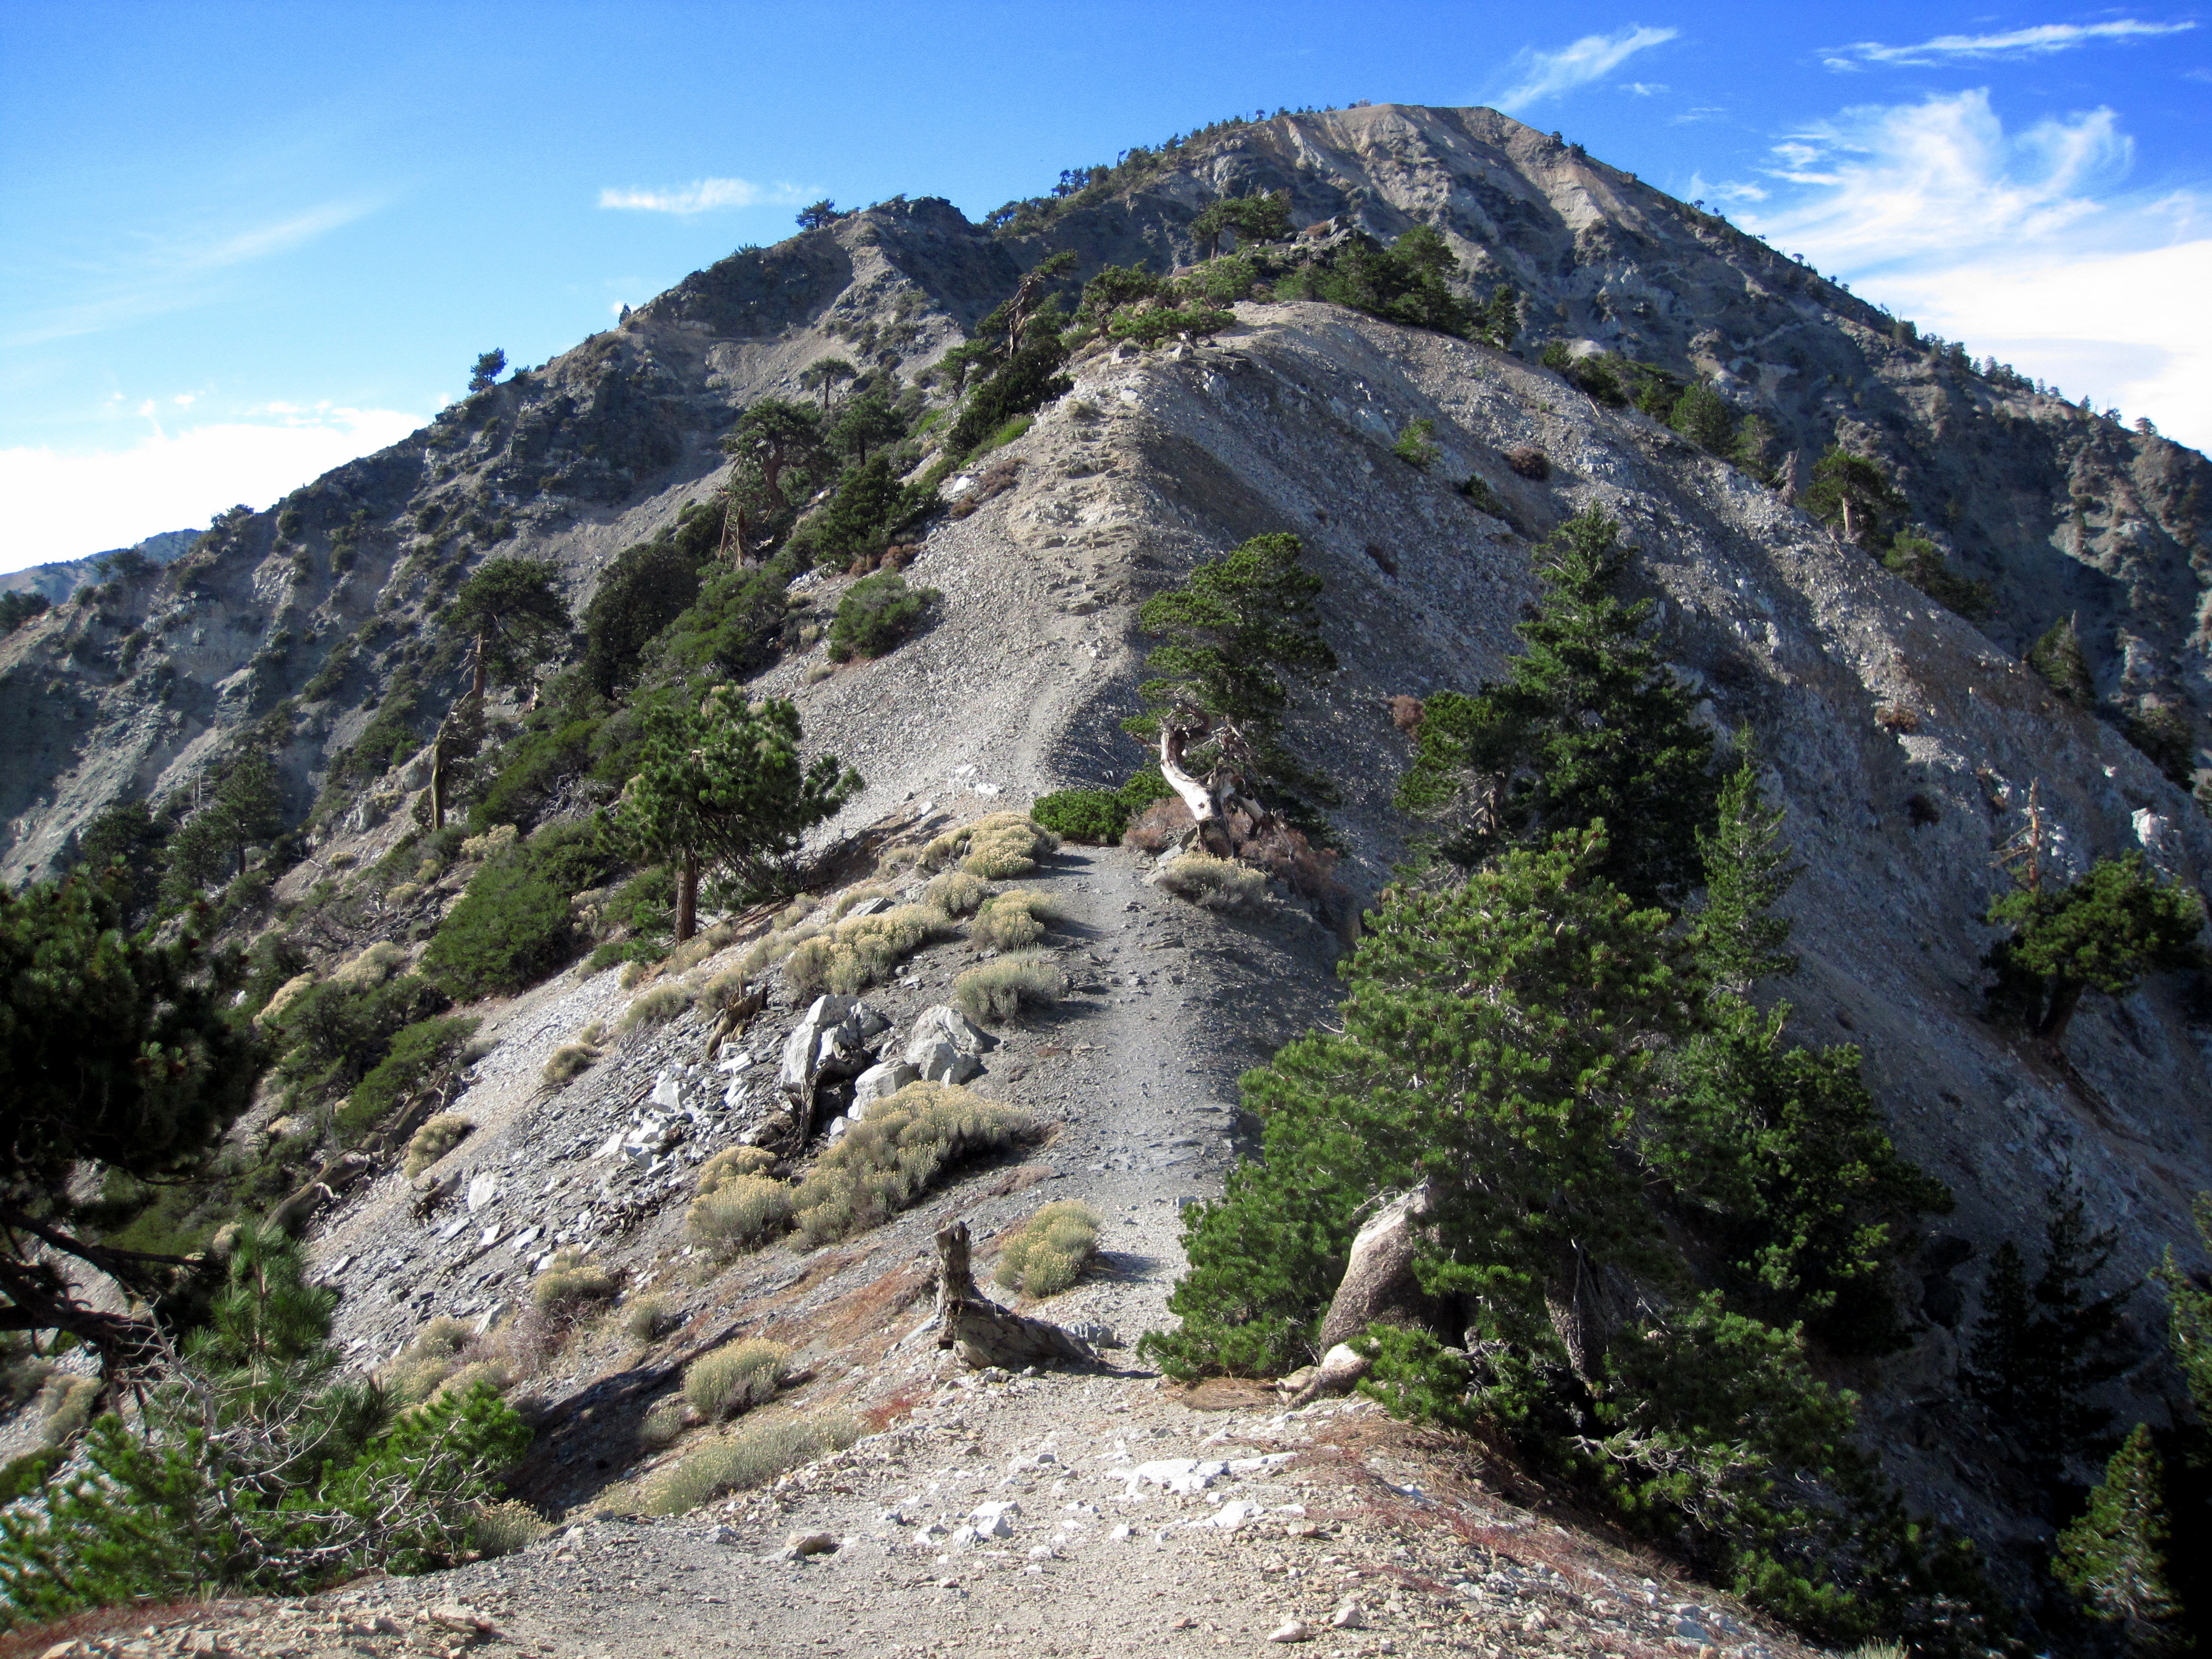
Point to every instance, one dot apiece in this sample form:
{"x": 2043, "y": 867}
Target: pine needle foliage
{"x": 1589, "y": 725}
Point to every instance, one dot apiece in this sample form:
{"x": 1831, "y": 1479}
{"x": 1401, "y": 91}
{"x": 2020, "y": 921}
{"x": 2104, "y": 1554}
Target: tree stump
{"x": 980, "y": 1331}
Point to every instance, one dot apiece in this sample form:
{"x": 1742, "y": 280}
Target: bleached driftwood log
{"x": 980, "y": 1331}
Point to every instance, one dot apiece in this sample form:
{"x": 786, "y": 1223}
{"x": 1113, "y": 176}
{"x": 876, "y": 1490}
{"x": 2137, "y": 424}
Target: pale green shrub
{"x": 567, "y": 1063}
{"x": 1214, "y": 883}
{"x": 862, "y": 950}
{"x": 503, "y": 1527}
{"x": 646, "y": 1318}
{"x": 656, "y": 1007}
{"x": 372, "y": 967}
{"x": 852, "y": 895}
{"x": 751, "y": 1456}
{"x": 997, "y": 992}
{"x": 570, "y": 1283}
{"x": 956, "y": 893}
{"x": 886, "y": 1161}
{"x": 997, "y": 847}
{"x": 735, "y": 1378}
{"x": 662, "y": 1425}
{"x": 742, "y": 1214}
{"x": 496, "y": 840}
{"x": 64, "y": 1407}
{"x": 732, "y": 1161}
{"x": 1051, "y": 1250}
{"x": 1014, "y": 920}
{"x": 433, "y": 1140}
{"x": 696, "y": 949}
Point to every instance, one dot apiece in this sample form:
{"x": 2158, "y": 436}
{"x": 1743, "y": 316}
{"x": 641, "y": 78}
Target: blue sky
{"x": 241, "y": 243}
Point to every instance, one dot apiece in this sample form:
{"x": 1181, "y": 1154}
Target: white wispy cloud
{"x": 65, "y": 504}
{"x": 705, "y": 195}
{"x": 1541, "y": 74}
{"x": 2026, "y": 245}
{"x": 2039, "y": 40}
{"x": 155, "y": 273}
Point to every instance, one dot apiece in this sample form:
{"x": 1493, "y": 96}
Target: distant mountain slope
{"x": 58, "y": 581}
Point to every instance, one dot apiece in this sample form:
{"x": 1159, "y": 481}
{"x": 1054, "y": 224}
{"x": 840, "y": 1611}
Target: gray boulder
{"x": 881, "y": 1082}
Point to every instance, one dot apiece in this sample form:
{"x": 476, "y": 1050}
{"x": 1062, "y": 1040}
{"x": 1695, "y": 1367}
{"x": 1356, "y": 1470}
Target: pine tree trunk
{"x": 687, "y": 898}
{"x": 476, "y": 690}
{"x": 1205, "y": 810}
{"x": 438, "y": 779}
{"x": 2063, "y": 1001}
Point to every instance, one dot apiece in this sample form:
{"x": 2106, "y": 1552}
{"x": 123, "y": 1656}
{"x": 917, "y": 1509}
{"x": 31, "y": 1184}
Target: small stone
{"x": 1040, "y": 1551}
{"x": 802, "y": 1544}
{"x": 451, "y": 1615}
{"x": 1535, "y": 1623}
{"x": 1186, "y": 1622}
{"x": 725, "y": 1535}
{"x": 1350, "y": 1616}
{"x": 1291, "y": 1629}
{"x": 1121, "y": 1534}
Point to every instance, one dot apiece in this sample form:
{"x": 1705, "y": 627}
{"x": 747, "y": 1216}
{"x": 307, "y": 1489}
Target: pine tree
{"x": 2058, "y": 657}
{"x": 1499, "y": 1043}
{"x": 1854, "y": 494}
{"x": 488, "y": 368}
{"x": 1590, "y": 726}
{"x": 2103, "y": 932}
{"x": 512, "y": 617}
{"x": 1703, "y": 416}
{"x": 2040, "y": 1347}
{"x": 2113, "y": 1556}
{"x": 722, "y": 784}
{"x": 1217, "y": 688}
{"x": 1748, "y": 869}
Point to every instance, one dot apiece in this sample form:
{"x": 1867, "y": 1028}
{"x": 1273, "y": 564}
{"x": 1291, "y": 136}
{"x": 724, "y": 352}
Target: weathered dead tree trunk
{"x": 1379, "y": 1285}
{"x": 1198, "y": 797}
{"x": 1582, "y": 1314}
{"x": 980, "y": 1331}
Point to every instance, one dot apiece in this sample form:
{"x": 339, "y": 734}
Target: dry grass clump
{"x": 1014, "y": 920}
{"x": 735, "y": 1378}
{"x": 790, "y": 930}
{"x": 732, "y": 1161}
{"x": 431, "y": 1356}
{"x": 893, "y": 1154}
{"x": 374, "y": 965}
{"x": 956, "y": 893}
{"x": 1051, "y": 1250}
{"x": 433, "y": 1140}
{"x": 1212, "y": 882}
{"x": 843, "y": 904}
{"x": 742, "y": 1214}
{"x": 725, "y": 991}
{"x": 752, "y": 1456}
{"x": 997, "y": 847}
{"x": 648, "y": 1318}
{"x": 657, "y": 1007}
{"x": 287, "y": 993}
{"x": 503, "y": 1527}
{"x": 661, "y": 1425}
{"x": 64, "y": 1408}
{"x": 997, "y": 992}
{"x": 569, "y": 1284}
{"x": 696, "y": 949}
{"x": 567, "y": 1063}
{"x": 1896, "y": 717}
{"x": 862, "y": 950}
{"x": 494, "y": 840}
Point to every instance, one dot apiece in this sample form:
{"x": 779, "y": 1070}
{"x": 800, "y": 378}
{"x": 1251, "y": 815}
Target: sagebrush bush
{"x": 776, "y": 947}
{"x": 862, "y": 950}
{"x": 997, "y": 847}
{"x": 740, "y": 1213}
{"x": 431, "y": 1354}
{"x": 1014, "y": 920}
{"x": 735, "y": 1378}
{"x": 696, "y": 949}
{"x": 498, "y": 839}
{"x": 997, "y": 992}
{"x": 569, "y": 1284}
{"x": 374, "y": 965}
{"x": 852, "y": 896}
{"x": 567, "y": 1063}
{"x": 725, "y": 991}
{"x": 732, "y": 1161}
{"x": 64, "y": 1408}
{"x": 433, "y": 1140}
{"x": 956, "y": 893}
{"x": 1051, "y": 1250}
{"x": 895, "y": 1151}
{"x": 754, "y": 1454}
{"x": 646, "y": 1318}
{"x": 659, "y": 1005}
{"x": 1214, "y": 883}
{"x": 503, "y": 1527}
{"x": 661, "y": 1425}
